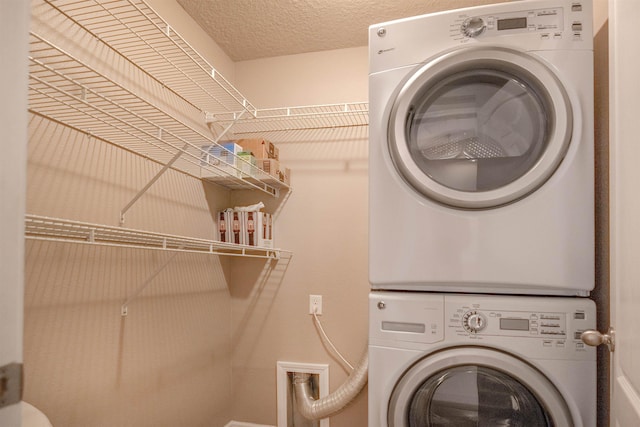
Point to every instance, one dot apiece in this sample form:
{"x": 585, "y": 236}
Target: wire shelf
{"x": 137, "y": 32}
{"x": 64, "y": 230}
{"x": 134, "y": 29}
{"x": 312, "y": 118}
{"x": 64, "y": 89}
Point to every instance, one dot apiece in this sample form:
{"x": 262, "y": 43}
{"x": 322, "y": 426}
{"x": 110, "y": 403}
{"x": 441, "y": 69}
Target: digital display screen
{"x": 514, "y": 324}
{"x": 512, "y": 23}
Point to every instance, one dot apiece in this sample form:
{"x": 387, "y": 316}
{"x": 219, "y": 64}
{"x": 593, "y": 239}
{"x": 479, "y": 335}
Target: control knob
{"x": 474, "y": 322}
{"x": 473, "y": 27}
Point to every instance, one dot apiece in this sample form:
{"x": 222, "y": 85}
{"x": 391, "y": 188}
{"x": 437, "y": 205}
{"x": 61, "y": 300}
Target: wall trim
{"x": 282, "y": 378}
{"x": 241, "y": 424}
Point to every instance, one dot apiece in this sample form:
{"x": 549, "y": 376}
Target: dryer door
{"x": 476, "y": 387}
{"x": 480, "y": 127}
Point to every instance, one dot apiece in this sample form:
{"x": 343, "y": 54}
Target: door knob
{"x": 595, "y": 338}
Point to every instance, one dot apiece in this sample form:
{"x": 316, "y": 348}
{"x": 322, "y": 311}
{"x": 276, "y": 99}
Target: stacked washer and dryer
{"x": 482, "y": 217}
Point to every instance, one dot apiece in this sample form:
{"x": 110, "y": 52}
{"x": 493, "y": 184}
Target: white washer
{"x": 479, "y": 360}
{"x": 481, "y": 150}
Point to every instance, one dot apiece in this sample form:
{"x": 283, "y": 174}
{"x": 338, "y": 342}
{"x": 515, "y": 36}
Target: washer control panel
{"x": 474, "y": 321}
{"x": 511, "y": 323}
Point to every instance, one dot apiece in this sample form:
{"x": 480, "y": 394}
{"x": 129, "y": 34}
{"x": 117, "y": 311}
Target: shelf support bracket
{"x": 165, "y": 168}
{"x": 150, "y": 183}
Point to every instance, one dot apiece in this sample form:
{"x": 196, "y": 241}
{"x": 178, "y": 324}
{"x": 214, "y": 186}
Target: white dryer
{"x": 481, "y": 150}
{"x": 479, "y": 360}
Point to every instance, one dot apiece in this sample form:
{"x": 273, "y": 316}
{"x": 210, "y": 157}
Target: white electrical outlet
{"x": 315, "y": 304}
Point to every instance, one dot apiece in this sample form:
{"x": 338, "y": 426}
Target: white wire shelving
{"x": 64, "y": 230}
{"x": 69, "y": 89}
{"x": 136, "y": 31}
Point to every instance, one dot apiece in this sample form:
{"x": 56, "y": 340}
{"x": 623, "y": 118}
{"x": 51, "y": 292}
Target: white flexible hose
{"x": 329, "y": 342}
{"x": 333, "y": 403}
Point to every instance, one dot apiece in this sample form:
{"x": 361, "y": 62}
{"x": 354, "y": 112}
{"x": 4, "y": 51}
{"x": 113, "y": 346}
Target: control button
{"x": 557, "y": 36}
{"x": 579, "y": 346}
{"x": 544, "y": 36}
{"x": 576, "y": 7}
{"x": 546, "y": 343}
{"x": 560, "y": 344}
{"x": 579, "y": 316}
{"x": 474, "y": 322}
{"x": 473, "y": 27}
{"x": 576, "y": 26}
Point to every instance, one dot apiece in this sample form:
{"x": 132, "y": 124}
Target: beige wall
{"x": 200, "y": 344}
{"x": 324, "y": 222}
{"x": 168, "y": 363}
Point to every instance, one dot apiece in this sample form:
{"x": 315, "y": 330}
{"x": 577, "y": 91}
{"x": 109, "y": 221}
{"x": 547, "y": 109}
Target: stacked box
{"x": 258, "y": 229}
{"x": 265, "y": 239}
{"x": 286, "y": 176}
{"x": 223, "y": 156}
{"x": 252, "y": 228}
{"x": 224, "y": 227}
{"x": 237, "y": 227}
{"x": 272, "y": 167}
{"x": 248, "y": 166}
{"x": 261, "y": 148}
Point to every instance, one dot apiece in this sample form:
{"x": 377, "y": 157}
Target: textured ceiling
{"x": 251, "y": 29}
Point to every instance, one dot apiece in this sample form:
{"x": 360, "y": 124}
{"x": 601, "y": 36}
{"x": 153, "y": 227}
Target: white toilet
{"x": 33, "y": 417}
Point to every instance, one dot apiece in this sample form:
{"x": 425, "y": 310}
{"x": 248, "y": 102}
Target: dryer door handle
{"x": 595, "y": 338}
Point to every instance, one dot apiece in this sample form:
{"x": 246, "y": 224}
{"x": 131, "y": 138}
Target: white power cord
{"x": 328, "y": 341}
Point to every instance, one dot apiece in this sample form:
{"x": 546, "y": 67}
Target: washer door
{"x": 476, "y": 387}
{"x": 480, "y": 127}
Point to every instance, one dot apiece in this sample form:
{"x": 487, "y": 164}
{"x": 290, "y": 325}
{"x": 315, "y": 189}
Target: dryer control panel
{"x": 535, "y": 325}
{"x": 512, "y": 323}
{"x": 551, "y": 19}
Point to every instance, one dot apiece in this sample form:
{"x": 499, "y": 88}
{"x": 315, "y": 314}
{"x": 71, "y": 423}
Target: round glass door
{"x": 472, "y": 396}
{"x": 476, "y": 387}
{"x": 480, "y": 127}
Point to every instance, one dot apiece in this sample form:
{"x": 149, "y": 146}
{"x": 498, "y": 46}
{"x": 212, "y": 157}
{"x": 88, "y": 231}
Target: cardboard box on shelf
{"x": 287, "y": 176}
{"x": 252, "y": 228}
{"x": 274, "y": 173}
{"x": 258, "y": 229}
{"x": 261, "y": 148}
{"x": 237, "y": 227}
{"x": 223, "y": 158}
{"x": 247, "y": 164}
{"x": 225, "y": 151}
{"x": 224, "y": 227}
{"x": 265, "y": 238}
{"x": 270, "y": 166}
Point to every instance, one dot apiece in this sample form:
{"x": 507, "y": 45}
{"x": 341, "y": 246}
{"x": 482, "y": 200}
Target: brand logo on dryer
{"x": 381, "y": 51}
